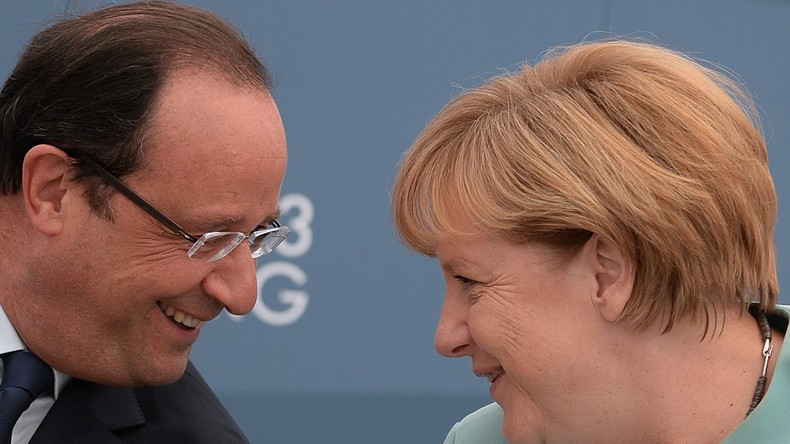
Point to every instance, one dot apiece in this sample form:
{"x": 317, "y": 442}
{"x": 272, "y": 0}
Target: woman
{"x": 604, "y": 222}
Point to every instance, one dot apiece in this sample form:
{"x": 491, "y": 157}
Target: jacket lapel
{"x": 89, "y": 413}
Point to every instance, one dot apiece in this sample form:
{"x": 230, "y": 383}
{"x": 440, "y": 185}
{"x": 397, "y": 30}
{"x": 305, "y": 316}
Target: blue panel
{"x": 351, "y": 353}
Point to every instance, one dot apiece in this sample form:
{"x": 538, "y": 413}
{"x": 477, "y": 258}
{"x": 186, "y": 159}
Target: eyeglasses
{"x": 211, "y": 246}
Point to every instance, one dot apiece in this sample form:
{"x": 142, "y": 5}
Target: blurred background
{"x": 339, "y": 348}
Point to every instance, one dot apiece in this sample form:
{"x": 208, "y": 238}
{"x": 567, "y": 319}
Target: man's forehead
{"x": 208, "y": 119}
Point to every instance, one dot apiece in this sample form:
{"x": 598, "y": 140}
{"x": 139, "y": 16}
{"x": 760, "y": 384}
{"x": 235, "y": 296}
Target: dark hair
{"x": 87, "y": 84}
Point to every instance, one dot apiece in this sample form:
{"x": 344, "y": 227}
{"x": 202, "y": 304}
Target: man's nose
{"x": 233, "y": 281}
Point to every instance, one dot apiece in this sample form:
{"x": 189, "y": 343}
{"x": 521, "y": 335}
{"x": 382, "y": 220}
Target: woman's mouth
{"x": 493, "y": 375}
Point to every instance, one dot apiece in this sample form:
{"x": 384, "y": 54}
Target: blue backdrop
{"x": 340, "y": 346}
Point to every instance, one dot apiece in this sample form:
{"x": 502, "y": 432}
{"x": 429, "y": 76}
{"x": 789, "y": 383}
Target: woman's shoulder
{"x": 483, "y": 426}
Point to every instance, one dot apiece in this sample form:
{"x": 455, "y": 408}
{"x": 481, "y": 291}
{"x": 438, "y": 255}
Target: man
{"x": 141, "y": 160}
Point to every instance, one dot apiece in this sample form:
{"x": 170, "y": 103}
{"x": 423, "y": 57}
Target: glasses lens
{"x": 265, "y": 241}
{"x": 215, "y": 245}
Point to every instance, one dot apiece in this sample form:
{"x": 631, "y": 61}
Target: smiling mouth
{"x": 494, "y": 375}
{"x": 181, "y": 319}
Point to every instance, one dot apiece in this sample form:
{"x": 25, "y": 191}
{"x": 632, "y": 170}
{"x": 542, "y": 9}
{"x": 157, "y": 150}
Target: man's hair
{"x": 87, "y": 84}
{"x": 629, "y": 140}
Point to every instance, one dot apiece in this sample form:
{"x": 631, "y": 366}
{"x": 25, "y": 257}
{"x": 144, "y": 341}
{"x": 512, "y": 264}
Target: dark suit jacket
{"x": 186, "y": 411}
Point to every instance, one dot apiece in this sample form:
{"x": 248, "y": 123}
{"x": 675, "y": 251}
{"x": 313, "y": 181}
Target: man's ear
{"x": 45, "y": 184}
{"x": 615, "y": 275}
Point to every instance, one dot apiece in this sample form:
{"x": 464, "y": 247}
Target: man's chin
{"x": 166, "y": 375}
{"x": 162, "y": 374}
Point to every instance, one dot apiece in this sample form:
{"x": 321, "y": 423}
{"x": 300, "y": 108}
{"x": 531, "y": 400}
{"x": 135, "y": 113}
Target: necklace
{"x": 765, "y": 329}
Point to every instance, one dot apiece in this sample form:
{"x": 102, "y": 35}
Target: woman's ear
{"x": 45, "y": 184}
{"x": 614, "y": 274}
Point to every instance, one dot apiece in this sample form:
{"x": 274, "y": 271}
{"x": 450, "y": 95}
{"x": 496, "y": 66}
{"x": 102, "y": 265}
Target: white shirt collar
{"x": 10, "y": 341}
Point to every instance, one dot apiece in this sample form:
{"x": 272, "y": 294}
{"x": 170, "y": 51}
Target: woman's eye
{"x": 464, "y": 281}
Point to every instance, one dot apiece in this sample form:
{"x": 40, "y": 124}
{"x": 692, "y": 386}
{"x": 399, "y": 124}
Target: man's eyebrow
{"x": 223, "y": 222}
{"x": 213, "y": 223}
{"x": 270, "y": 219}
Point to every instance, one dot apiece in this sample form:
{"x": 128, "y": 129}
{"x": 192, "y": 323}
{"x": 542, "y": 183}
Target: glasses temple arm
{"x": 138, "y": 200}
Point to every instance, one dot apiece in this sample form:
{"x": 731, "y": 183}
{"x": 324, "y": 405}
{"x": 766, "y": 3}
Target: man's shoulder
{"x": 188, "y": 406}
{"x": 483, "y": 426}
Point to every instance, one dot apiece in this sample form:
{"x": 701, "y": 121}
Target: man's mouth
{"x": 493, "y": 375}
{"x": 179, "y": 317}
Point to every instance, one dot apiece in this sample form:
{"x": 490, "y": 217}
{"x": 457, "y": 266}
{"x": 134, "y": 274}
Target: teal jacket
{"x": 767, "y": 424}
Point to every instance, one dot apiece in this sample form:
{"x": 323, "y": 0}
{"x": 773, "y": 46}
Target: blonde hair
{"x": 629, "y": 140}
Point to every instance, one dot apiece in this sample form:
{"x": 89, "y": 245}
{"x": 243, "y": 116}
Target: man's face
{"x": 214, "y": 160}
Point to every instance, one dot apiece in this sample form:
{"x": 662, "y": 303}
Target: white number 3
{"x": 300, "y": 239}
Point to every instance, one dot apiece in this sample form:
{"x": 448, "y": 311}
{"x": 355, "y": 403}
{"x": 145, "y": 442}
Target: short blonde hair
{"x": 629, "y": 140}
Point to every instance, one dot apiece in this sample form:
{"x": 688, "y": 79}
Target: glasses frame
{"x": 197, "y": 241}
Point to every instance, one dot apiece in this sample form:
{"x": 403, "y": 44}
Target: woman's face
{"x": 527, "y": 320}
